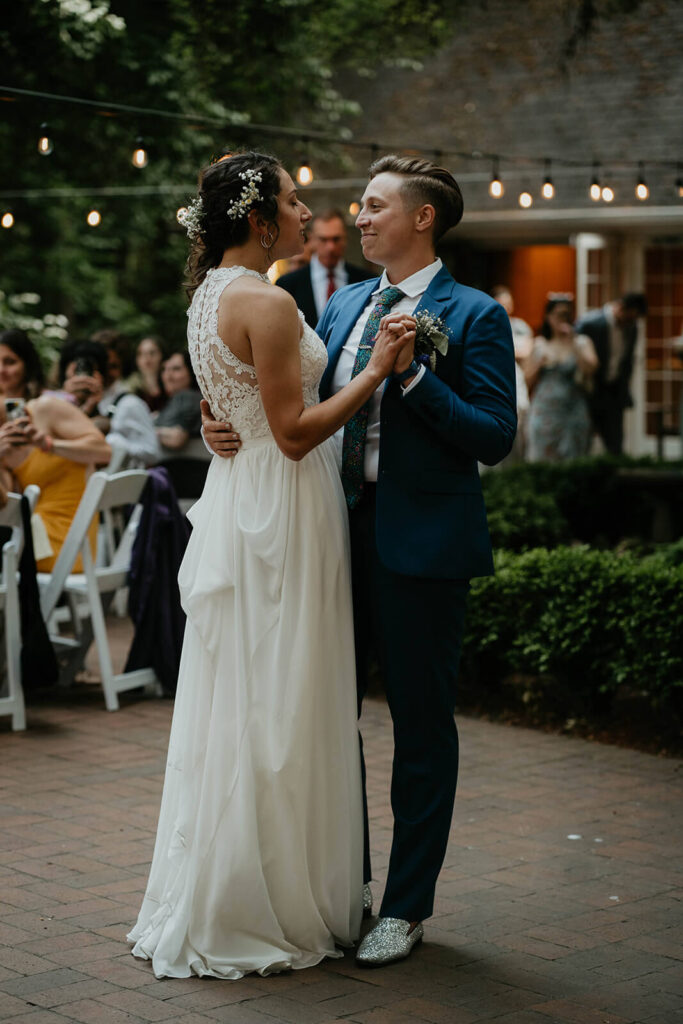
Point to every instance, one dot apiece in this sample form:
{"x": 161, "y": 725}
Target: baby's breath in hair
{"x": 248, "y": 196}
{"x": 190, "y": 217}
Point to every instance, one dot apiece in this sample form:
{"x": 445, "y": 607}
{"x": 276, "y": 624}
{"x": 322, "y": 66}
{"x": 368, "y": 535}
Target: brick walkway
{"x": 560, "y": 899}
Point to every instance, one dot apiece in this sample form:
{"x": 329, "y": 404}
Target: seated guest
{"x": 84, "y": 370}
{"x": 178, "y": 423}
{"x": 51, "y": 443}
{"x": 181, "y": 417}
{"x": 146, "y": 381}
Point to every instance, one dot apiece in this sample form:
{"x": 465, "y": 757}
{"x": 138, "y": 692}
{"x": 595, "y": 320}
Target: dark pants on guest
{"x": 415, "y": 626}
{"x": 607, "y": 411}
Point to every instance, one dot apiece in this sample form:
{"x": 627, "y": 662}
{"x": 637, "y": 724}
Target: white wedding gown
{"x": 258, "y": 858}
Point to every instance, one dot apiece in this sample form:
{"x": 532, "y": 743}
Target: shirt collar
{"x": 318, "y": 271}
{"x": 416, "y": 284}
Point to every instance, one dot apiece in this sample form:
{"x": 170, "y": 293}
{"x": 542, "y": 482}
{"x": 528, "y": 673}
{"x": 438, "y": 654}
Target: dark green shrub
{"x": 582, "y": 624}
{"x": 543, "y": 504}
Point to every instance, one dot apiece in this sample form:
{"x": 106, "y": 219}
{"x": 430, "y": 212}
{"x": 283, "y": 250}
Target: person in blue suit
{"x": 417, "y": 520}
{"x": 416, "y": 512}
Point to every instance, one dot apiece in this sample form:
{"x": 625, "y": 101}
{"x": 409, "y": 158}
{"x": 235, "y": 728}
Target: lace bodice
{"x": 229, "y": 385}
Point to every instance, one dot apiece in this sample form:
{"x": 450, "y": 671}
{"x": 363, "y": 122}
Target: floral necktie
{"x": 353, "y": 449}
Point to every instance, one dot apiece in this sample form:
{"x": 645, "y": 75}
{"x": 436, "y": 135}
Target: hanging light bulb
{"x": 7, "y": 219}
{"x": 548, "y": 190}
{"x": 45, "y": 143}
{"x": 140, "y": 156}
{"x": 525, "y": 200}
{"x": 94, "y": 218}
{"x": 354, "y": 208}
{"x": 496, "y": 188}
{"x": 679, "y": 183}
{"x": 607, "y": 194}
{"x": 304, "y": 175}
{"x": 642, "y": 191}
{"x": 595, "y": 190}
{"x": 180, "y": 214}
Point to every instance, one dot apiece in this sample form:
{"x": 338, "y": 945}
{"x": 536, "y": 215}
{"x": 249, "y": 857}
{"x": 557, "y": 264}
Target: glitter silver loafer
{"x": 390, "y": 940}
{"x": 367, "y": 901}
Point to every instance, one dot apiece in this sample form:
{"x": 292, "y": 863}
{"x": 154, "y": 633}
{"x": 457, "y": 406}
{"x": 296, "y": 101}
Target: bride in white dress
{"x": 258, "y": 857}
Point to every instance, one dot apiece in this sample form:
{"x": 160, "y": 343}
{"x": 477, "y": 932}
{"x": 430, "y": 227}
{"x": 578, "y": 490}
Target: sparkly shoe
{"x": 367, "y": 901}
{"x": 390, "y": 940}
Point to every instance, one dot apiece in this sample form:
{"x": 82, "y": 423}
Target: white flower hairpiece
{"x": 190, "y": 217}
{"x": 248, "y": 196}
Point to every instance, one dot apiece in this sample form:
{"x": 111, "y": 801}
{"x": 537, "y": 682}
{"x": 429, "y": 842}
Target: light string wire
{"x": 311, "y": 134}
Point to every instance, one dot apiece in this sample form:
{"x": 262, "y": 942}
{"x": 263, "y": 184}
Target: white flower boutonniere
{"x": 431, "y": 336}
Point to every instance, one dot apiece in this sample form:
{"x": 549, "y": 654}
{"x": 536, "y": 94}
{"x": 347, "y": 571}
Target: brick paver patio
{"x": 560, "y": 899}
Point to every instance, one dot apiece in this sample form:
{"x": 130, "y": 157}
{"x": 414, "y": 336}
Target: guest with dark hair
{"x": 52, "y": 444}
{"x": 21, "y": 371}
{"x": 123, "y": 417}
{"x": 181, "y": 417}
{"x": 558, "y": 373}
{"x": 146, "y": 381}
{"x": 613, "y": 331}
{"x": 120, "y": 363}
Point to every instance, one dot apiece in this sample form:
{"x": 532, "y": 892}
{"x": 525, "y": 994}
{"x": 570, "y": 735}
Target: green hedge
{"x": 545, "y": 504}
{"x": 573, "y": 627}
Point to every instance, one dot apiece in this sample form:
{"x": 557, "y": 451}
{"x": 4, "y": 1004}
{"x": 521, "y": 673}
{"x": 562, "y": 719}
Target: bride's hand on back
{"x": 394, "y": 344}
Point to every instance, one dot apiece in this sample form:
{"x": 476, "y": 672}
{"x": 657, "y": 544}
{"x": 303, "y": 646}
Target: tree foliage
{"x": 249, "y": 61}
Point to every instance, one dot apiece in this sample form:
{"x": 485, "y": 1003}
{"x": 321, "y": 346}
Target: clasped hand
{"x": 394, "y": 347}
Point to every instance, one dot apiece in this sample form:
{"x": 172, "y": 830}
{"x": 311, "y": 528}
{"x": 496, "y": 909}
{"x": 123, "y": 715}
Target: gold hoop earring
{"x": 267, "y": 240}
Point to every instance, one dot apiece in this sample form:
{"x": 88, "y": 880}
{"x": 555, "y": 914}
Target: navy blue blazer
{"x": 431, "y": 518}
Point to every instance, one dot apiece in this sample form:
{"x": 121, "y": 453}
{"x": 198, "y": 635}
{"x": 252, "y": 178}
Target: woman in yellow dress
{"x": 51, "y": 443}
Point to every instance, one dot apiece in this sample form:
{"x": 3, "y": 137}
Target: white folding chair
{"x": 91, "y": 592}
{"x": 13, "y": 702}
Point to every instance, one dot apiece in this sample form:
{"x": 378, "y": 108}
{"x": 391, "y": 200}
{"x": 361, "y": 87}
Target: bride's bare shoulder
{"x": 258, "y": 298}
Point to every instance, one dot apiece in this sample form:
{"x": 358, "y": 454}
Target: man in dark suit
{"x": 312, "y": 285}
{"x": 614, "y": 333}
{"x": 409, "y": 463}
{"x": 416, "y": 512}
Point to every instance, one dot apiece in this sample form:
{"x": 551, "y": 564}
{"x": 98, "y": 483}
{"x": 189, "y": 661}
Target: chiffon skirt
{"x": 258, "y": 858}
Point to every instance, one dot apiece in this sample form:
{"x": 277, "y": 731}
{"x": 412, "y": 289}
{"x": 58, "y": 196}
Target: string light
{"x": 548, "y": 190}
{"x": 354, "y": 208}
{"x": 642, "y": 191}
{"x": 607, "y": 194}
{"x": 496, "y": 188}
{"x": 180, "y": 213}
{"x": 679, "y": 183}
{"x": 7, "y": 220}
{"x": 45, "y": 143}
{"x": 525, "y": 200}
{"x": 595, "y": 191}
{"x": 304, "y": 175}
{"x": 140, "y": 156}
{"x": 94, "y": 218}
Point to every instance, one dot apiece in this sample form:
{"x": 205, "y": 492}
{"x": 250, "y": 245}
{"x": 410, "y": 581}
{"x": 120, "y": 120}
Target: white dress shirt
{"x": 320, "y": 281}
{"x": 414, "y": 288}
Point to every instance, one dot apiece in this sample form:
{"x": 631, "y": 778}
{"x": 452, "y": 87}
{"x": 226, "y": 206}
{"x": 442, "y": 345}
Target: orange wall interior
{"x": 530, "y": 272}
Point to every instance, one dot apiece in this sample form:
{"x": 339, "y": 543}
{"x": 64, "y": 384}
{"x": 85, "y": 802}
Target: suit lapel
{"x": 438, "y": 294}
{"x": 350, "y": 310}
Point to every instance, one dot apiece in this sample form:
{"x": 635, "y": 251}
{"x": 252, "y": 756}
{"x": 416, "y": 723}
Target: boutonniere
{"x": 431, "y": 336}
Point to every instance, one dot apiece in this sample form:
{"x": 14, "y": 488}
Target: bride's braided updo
{"x": 219, "y": 217}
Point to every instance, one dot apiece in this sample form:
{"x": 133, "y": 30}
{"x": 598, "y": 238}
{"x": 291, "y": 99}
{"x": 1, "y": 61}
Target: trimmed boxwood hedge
{"x": 544, "y": 504}
{"x": 574, "y": 626}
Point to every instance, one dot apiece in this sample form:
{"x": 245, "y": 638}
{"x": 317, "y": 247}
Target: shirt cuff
{"x": 203, "y": 437}
{"x": 416, "y": 379}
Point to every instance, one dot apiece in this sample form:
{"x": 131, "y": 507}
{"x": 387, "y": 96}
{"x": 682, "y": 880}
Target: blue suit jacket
{"x": 431, "y": 519}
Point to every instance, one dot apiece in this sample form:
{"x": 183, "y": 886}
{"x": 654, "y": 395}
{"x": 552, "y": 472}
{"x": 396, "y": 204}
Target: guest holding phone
{"x": 51, "y": 444}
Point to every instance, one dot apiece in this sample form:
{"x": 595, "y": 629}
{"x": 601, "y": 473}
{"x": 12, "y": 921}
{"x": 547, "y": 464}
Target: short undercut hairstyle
{"x": 425, "y": 182}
